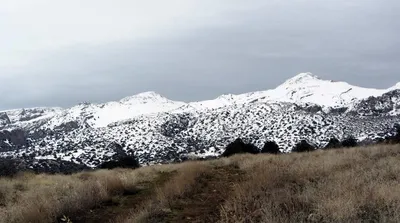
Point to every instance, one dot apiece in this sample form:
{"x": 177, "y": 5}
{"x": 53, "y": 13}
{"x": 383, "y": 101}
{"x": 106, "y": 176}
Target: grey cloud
{"x": 256, "y": 50}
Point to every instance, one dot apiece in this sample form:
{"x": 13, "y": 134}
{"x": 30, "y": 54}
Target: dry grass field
{"x": 340, "y": 185}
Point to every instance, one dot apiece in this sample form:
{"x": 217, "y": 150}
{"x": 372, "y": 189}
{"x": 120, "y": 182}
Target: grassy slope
{"x": 349, "y": 185}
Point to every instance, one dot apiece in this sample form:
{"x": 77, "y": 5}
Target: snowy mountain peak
{"x": 300, "y": 89}
{"x": 149, "y": 96}
{"x": 395, "y": 87}
{"x": 308, "y": 88}
{"x": 302, "y": 78}
{"x": 227, "y": 97}
{"x": 101, "y": 115}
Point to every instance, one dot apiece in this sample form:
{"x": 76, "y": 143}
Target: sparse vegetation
{"x": 341, "y": 185}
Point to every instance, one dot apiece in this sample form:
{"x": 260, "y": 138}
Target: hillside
{"x": 341, "y": 185}
{"x": 158, "y": 130}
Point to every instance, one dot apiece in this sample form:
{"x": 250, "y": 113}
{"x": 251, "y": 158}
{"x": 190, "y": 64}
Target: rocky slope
{"x": 159, "y": 130}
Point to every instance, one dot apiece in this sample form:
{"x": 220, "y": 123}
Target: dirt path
{"x": 203, "y": 202}
{"x": 200, "y": 204}
{"x": 120, "y": 206}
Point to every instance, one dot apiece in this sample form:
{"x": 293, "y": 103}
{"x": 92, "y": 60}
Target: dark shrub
{"x": 238, "y": 146}
{"x": 303, "y": 146}
{"x": 333, "y": 144}
{"x": 349, "y": 142}
{"x": 395, "y": 139}
{"x": 380, "y": 140}
{"x": 271, "y": 147}
{"x": 8, "y": 167}
{"x": 121, "y": 162}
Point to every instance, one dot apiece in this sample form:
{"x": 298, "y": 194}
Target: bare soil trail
{"x": 201, "y": 203}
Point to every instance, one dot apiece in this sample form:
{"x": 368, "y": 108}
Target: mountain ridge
{"x": 300, "y": 89}
{"x": 148, "y": 94}
{"x": 158, "y": 130}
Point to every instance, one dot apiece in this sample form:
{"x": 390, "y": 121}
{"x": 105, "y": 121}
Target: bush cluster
{"x": 271, "y": 147}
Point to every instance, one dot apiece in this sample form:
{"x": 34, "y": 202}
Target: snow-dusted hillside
{"x": 27, "y": 118}
{"x": 303, "y": 88}
{"x": 157, "y": 129}
{"x": 101, "y": 115}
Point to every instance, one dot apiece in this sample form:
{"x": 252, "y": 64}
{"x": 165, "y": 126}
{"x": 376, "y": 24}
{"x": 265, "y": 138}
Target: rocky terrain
{"x": 158, "y": 130}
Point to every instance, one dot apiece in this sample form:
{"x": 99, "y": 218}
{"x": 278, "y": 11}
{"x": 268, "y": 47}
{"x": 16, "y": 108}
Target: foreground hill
{"x": 341, "y": 185}
{"x": 158, "y": 130}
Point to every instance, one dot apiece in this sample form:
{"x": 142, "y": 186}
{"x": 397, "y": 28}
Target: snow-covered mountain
{"x": 101, "y": 115}
{"x": 157, "y": 129}
{"x": 303, "y": 88}
{"x": 27, "y": 118}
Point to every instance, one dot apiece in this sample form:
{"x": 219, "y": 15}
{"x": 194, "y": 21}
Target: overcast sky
{"x": 60, "y": 53}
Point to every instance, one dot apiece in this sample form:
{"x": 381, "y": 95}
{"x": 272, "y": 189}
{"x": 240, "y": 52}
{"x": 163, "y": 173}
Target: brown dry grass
{"x": 160, "y": 205}
{"x": 43, "y": 198}
{"x": 348, "y": 185}
{"x": 351, "y": 185}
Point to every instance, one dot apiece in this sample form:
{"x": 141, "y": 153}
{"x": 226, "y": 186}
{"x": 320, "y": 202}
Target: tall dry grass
{"x": 342, "y": 185}
{"x": 43, "y": 198}
{"x": 160, "y": 206}
{"x": 349, "y": 185}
